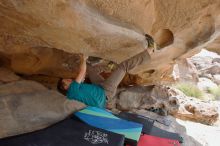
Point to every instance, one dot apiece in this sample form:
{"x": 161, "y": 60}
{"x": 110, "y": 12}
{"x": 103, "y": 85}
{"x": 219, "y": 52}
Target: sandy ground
{"x": 204, "y": 134}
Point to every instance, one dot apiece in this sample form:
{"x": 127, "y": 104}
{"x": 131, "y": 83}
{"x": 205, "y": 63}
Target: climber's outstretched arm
{"x": 82, "y": 73}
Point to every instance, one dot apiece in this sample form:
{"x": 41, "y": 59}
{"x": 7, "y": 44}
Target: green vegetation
{"x": 190, "y": 90}
{"x": 215, "y": 92}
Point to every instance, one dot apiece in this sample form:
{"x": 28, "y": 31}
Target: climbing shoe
{"x": 151, "y": 42}
{"x": 111, "y": 66}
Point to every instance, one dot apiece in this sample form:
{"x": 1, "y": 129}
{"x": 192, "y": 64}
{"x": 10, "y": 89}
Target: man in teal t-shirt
{"x": 100, "y": 90}
{"x": 82, "y": 92}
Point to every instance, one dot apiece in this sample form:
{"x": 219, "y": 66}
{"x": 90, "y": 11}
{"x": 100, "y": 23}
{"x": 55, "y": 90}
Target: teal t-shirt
{"x": 90, "y": 94}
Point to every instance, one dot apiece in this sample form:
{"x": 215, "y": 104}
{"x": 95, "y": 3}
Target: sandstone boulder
{"x": 113, "y": 30}
{"x": 40, "y": 60}
{"x": 205, "y": 59}
{"x": 133, "y": 98}
{"x": 216, "y": 60}
{"x": 7, "y": 75}
{"x": 48, "y": 81}
{"x": 213, "y": 70}
{"x": 205, "y": 84}
{"x": 185, "y": 71}
{"x": 170, "y": 100}
{"x": 201, "y": 62}
{"x": 190, "y": 108}
{"x": 216, "y": 79}
{"x": 27, "y": 106}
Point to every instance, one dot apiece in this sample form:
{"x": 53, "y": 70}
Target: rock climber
{"x": 100, "y": 90}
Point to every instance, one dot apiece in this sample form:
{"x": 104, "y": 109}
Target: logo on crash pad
{"x": 96, "y": 137}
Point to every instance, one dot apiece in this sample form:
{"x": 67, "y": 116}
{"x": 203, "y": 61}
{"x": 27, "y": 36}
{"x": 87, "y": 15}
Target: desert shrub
{"x": 215, "y": 91}
{"x": 190, "y": 90}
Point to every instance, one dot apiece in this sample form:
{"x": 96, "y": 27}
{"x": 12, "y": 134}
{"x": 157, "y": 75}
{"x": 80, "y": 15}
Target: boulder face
{"x": 7, "y": 76}
{"x": 208, "y": 66}
{"x": 33, "y": 33}
{"x": 169, "y": 101}
{"x": 42, "y": 60}
{"x": 27, "y": 106}
{"x": 185, "y": 71}
{"x": 46, "y": 39}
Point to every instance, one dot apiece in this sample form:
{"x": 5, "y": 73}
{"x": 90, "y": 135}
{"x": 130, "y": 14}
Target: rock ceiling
{"x": 44, "y": 37}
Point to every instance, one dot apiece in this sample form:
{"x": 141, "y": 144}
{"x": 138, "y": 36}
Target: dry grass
{"x": 215, "y": 92}
{"x": 190, "y": 90}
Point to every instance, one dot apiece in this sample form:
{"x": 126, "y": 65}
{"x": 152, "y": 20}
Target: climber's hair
{"x": 60, "y": 87}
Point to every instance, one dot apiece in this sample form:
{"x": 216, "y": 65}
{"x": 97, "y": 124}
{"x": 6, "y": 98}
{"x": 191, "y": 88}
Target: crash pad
{"x": 104, "y": 119}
